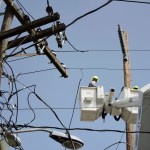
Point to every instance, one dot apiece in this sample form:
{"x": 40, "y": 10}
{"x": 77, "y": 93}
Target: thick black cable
{"x": 40, "y": 99}
{"x": 74, "y": 47}
{"x": 34, "y": 115}
{"x": 88, "y": 13}
{"x": 55, "y": 116}
{"x": 84, "y": 129}
{"x": 16, "y": 92}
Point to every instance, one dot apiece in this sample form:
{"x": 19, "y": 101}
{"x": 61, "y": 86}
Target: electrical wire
{"x": 74, "y": 47}
{"x": 75, "y": 100}
{"x": 21, "y": 58}
{"x": 11, "y": 43}
{"x": 94, "y": 50}
{"x": 34, "y": 44}
{"x": 117, "y": 69}
{"x": 124, "y": 129}
{"x": 11, "y": 54}
{"x": 38, "y": 71}
{"x": 65, "y": 108}
{"x": 88, "y": 13}
{"x": 17, "y": 99}
{"x": 133, "y": 1}
{"x": 83, "y": 129}
{"x": 34, "y": 115}
{"x": 40, "y": 99}
{"x": 14, "y": 54}
{"x": 117, "y": 143}
{"x": 25, "y": 9}
{"x": 15, "y": 93}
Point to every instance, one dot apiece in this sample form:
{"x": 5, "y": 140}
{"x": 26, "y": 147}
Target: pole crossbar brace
{"x": 30, "y": 38}
{"x": 29, "y": 25}
{"x": 32, "y": 33}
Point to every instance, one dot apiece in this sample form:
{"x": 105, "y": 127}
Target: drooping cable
{"x": 88, "y": 13}
{"x": 17, "y": 99}
{"x": 34, "y": 115}
{"x": 40, "y": 99}
{"x": 74, "y": 47}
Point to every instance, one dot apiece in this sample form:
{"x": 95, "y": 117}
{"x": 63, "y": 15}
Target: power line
{"x": 26, "y": 73}
{"x": 113, "y": 69}
{"x": 61, "y": 108}
{"x": 19, "y": 3}
{"x": 75, "y": 100}
{"x": 118, "y": 143}
{"x": 22, "y": 58}
{"x": 133, "y": 1}
{"x": 109, "y": 69}
{"x": 84, "y": 129}
{"x": 88, "y": 13}
{"x": 99, "y": 50}
{"x": 108, "y": 2}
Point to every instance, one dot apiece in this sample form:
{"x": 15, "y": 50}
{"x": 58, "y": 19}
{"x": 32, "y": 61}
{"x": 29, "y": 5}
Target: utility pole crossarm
{"x": 29, "y": 26}
{"x": 30, "y": 38}
{"x": 34, "y": 36}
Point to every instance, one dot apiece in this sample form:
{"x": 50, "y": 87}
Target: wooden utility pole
{"x": 33, "y": 33}
{"x": 7, "y": 21}
{"x": 127, "y": 82}
{"x": 36, "y": 36}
